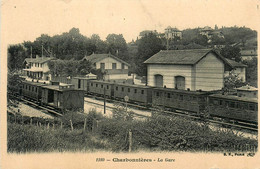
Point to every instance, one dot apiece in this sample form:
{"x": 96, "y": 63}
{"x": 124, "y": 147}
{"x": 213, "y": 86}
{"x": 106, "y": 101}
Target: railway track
{"x": 50, "y": 110}
{"x": 239, "y": 126}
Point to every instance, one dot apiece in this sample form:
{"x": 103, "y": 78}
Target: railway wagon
{"x": 81, "y": 83}
{"x": 193, "y": 101}
{"x": 63, "y": 97}
{"x": 32, "y": 90}
{"x": 100, "y": 87}
{"x": 136, "y": 93}
{"x": 233, "y": 107}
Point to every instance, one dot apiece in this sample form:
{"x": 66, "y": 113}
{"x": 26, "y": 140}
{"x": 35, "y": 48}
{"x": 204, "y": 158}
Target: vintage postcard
{"x": 129, "y": 84}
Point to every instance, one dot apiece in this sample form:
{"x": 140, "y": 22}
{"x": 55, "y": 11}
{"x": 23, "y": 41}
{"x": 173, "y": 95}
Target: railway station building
{"x": 114, "y": 68}
{"x": 195, "y": 69}
{"x": 37, "y": 68}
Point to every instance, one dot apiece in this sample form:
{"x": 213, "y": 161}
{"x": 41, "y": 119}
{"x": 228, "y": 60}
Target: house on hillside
{"x": 239, "y": 69}
{"x": 171, "y": 33}
{"x": 37, "y": 68}
{"x": 196, "y": 69}
{"x": 248, "y": 54}
{"x": 114, "y": 68}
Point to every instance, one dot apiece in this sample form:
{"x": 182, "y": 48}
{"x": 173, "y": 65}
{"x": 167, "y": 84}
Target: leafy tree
{"x": 147, "y": 46}
{"x": 16, "y": 56}
{"x": 116, "y": 45}
{"x": 231, "y": 52}
{"x": 232, "y": 81}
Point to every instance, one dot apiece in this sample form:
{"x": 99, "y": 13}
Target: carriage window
{"x": 215, "y": 102}
{"x": 29, "y": 88}
{"x": 128, "y": 89}
{"x": 122, "y": 89}
{"x": 220, "y": 102}
{"x": 36, "y": 89}
{"x": 232, "y": 104}
{"x": 33, "y": 89}
{"x": 169, "y": 95}
{"x": 181, "y": 97}
{"x": 107, "y": 87}
{"x": 23, "y": 86}
{"x": 251, "y": 107}
{"x": 142, "y": 91}
{"x": 91, "y": 84}
{"x": 26, "y": 87}
{"x": 101, "y": 86}
{"x": 256, "y": 107}
{"x": 157, "y": 94}
{"x": 116, "y": 88}
{"x": 96, "y": 85}
{"x": 135, "y": 90}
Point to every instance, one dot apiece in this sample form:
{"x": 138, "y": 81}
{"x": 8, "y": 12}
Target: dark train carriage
{"x": 193, "y": 101}
{"x": 233, "y": 107}
{"x": 82, "y": 83}
{"x": 32, "y": 90}
{"x": 136, "y": 93}
{"x": 63, "y": 97}
{"x": 99, "y": 87}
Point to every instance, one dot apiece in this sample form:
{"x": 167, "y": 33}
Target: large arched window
{"x": 180, "y": 82}
{"x": 158, "y": 79}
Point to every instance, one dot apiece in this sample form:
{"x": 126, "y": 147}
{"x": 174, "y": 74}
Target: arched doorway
{"x": 158, "y": 79}
{"x": 180, "y": 82}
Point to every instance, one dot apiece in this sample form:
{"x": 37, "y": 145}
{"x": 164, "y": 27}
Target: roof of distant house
{"x": 98, "y": 57}
{"x": 38, "y": 60}
{"x": 173, "y": 29}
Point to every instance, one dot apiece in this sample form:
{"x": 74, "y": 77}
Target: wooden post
{"x": 40, "y": 124}
{"x": 71, "y": 125}
{"x": 94, "y": 125}
{"x": 48, "y": 125}
{"x": 104, "y": 99}
{"x": 130, "y": 141}
{"x": 85, "y": 123}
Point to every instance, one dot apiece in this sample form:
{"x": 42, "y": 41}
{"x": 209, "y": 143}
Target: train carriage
{"x": 100, "y": 87}
{"x": 233, "y": 107}
{"x": 193, "y": 101}
{"x": 32, "y": 90}
{"x": 63, "y": 97}
{"x": 136, "y": 93}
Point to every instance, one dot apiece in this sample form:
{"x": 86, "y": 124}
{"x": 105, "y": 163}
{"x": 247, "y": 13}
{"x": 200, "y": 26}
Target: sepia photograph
{"x": 129, "y": 83}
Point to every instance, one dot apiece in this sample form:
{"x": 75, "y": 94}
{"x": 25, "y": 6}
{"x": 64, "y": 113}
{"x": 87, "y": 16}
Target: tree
{"x": 16, "y": 56}
{"x": 147, "y": 46}
{"x": 232, "y": 81}
{"x": 116, "y": 45}
{"x": 231, "y": 52}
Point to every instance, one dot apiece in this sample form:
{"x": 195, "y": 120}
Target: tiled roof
{"x": 98, "y": 57}
{"x": 178, "y": 57}
{"x": 38, "y": 60}
{"x": 235, "y": 64}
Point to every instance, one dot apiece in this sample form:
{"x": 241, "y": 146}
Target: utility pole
{"x": 104, "y": 99}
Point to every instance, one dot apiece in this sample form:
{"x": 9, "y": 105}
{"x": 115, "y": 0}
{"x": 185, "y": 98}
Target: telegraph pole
{"x": 104, "y": 99}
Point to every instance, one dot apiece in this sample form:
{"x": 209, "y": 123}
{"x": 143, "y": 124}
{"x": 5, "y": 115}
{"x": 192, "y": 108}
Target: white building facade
{"x": 114, "y": 68}
{"x": 197, "y": 69}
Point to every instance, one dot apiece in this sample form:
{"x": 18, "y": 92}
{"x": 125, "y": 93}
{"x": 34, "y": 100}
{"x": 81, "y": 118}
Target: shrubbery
{"x": 156, "y": 133}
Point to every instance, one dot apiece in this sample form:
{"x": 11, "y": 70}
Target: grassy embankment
{"x": 92, "y": 132}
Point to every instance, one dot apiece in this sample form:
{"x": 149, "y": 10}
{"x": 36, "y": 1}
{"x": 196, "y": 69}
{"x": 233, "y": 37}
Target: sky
{"x": 25, "y": 20}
